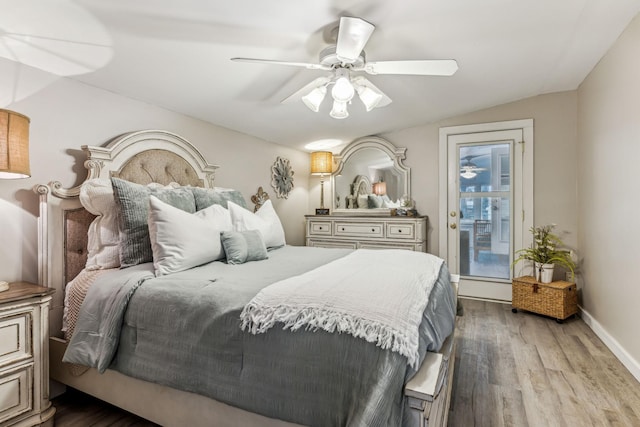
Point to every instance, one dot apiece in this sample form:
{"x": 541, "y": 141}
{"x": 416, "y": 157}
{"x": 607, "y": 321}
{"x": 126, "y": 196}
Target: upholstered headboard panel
{"x": 159, "y": 166}
{"x": 143, "y": 157}
{"x": 361, "y": 186}
{"x": 76, "y": 225}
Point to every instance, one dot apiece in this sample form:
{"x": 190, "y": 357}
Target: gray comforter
{"x": 183, "y": 331}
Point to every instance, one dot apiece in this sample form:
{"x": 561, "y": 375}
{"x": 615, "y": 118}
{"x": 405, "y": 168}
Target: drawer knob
{"x": 342, "y": 228}
{"x": 373, "y": 230}
{"x": 319, "y": 228}
{"x": 399, "y": 231}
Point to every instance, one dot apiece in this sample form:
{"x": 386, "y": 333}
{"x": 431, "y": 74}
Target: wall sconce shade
{"x": 321, "y": 162}
{"x": 380, "y": 188}
{"x": 14, "y": 145}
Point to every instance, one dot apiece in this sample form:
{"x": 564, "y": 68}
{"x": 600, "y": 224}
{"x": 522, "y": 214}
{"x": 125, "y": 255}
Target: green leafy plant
{"x": 547, "y": 248}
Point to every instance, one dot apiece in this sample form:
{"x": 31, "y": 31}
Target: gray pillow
{"x": 375, "y": 201}
{"x": 206, "y": 197}
{"x": 132, "y": 201}
{"x": 243, "y": 246}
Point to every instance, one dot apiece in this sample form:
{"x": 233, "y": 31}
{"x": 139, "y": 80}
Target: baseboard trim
{"x": 627, "y": 360}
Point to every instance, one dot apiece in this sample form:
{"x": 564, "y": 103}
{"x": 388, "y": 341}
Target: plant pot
{"x": 544, "y": 272}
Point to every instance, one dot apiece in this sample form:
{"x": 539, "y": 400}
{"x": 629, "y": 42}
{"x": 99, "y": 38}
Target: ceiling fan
{"x": 345, "y": 60}
{"x": 468, "y": 169}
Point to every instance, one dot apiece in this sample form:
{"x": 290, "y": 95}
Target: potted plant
{"x": 545, "y": 252}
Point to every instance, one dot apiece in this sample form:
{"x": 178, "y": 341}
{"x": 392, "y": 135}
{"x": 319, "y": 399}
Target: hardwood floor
{"x": 76, "y": 409}
{"x": 527, "y": 370}
{"x": 511, "y": 370}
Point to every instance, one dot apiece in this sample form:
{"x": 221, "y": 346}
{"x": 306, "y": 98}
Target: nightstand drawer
{"x": 15, "y": 338}
{"x": 15, "y": 397}
{"x": 319, "y": 228}
{"x": 373, "y": 229}
{"x": 401, "y": 231}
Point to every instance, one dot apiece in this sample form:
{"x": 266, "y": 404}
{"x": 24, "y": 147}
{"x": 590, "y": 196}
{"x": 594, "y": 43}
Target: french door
{"x": 487, "y": 186}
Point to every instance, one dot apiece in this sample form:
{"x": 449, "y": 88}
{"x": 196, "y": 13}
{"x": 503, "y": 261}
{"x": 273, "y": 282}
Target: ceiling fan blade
{"x": 306, "y": 65}
{"x": 320, "y": 81}
{"x": 433, "y": 67}
{"x": 353, "y": 35}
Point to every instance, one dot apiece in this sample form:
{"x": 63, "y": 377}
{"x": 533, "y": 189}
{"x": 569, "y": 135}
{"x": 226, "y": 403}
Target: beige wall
{"x": 65, "y": 115}
{"x": 608, "y": 156}
{"x": 555, "y": 128}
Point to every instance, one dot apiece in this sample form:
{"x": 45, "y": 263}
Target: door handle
{"x": 453, "y": 225}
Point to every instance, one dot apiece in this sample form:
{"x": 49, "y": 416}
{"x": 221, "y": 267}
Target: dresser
{"x": 24, "y": 356}
{"x": 367, "y": 232}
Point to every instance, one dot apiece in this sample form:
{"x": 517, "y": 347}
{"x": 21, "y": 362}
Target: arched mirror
{"x": 370, "y": 177}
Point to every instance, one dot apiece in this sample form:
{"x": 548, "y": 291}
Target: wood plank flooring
{"x": 527, "y": 370}
{"x": 511, "y": 370}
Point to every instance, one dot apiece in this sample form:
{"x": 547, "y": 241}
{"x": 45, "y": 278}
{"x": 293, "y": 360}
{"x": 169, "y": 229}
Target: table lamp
{"x": 321, "y": 164}
{"x": 14, "y": 151}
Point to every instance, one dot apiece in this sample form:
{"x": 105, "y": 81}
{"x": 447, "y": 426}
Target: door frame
{"x": 523, "y": 180}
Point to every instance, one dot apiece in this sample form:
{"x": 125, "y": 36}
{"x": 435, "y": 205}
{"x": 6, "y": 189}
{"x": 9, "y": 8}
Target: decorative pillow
{"x": 375, "y": 201}
{"x": 206, "y": 197}
{"x": 265, "y": 220}
{"x": 243, "y": 246}
{"x": 181, "y": 240}
{"x": 390, "y": 204}
{"x": 96, "y": 195}
{"x": 133, "y": 203}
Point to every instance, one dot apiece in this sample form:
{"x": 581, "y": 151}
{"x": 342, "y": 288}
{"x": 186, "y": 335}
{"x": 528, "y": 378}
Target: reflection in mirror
{"x": 370, "y": 177}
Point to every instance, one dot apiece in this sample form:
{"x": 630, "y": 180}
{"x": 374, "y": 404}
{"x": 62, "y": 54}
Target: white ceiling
{"x": 176, "y": 54}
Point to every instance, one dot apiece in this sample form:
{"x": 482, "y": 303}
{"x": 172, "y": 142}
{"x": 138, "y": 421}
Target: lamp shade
{"x": 321, "y": 162}
{"x": 380, "y": 188}
{"x": 14, "y": 145}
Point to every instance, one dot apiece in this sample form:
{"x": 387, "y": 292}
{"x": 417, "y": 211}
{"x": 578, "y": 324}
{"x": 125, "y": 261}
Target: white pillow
{"x": 266, "y": 221}
{"x": 181, "y": 240}
{"x": 96, "y": 195}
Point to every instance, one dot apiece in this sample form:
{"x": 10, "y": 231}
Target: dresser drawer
{"x": 15, "y": 338}
{"x": 401, "y": 230}
{"x": 15, "y": 396}
{"x": 348, "y": 229}
{"x": 319, "y": 228}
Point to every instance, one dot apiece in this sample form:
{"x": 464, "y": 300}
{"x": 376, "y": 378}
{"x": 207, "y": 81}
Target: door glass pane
{"x": 485, "y": 210}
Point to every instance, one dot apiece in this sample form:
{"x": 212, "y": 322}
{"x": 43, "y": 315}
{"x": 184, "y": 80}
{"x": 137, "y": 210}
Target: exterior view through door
{"x": 486, "y": 203}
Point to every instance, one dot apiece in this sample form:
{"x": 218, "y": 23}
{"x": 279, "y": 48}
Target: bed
{"x": 264, "y": 375}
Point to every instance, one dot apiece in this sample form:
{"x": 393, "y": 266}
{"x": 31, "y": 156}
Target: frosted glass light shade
{"x": 342, "y": 90}
{"x": 339, "y": 110}
{"x": 314, "y": 98}
{"x": 14, "y": 145}
{"x": 369, "y": 97}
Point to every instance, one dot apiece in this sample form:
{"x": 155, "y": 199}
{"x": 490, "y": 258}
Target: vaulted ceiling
{"x": 176, "y": 54}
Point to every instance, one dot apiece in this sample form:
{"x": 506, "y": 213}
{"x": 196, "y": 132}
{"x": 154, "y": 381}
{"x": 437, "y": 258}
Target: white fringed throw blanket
{"x": 377, "y": 295}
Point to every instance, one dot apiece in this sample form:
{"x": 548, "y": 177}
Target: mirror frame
{"x": 398, "y": 155}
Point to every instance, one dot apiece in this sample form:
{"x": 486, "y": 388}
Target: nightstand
{"x": 24, "y": 356}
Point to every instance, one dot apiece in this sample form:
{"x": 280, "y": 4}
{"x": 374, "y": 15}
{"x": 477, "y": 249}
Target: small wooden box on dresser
{"x": 24, "y": 356}
{"x": 367, "y": 232}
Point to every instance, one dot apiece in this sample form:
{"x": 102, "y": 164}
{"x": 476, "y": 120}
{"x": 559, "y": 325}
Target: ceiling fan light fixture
{"x": 339, "y": 110}
{"x": 314, "y": 98}
{"x": 468, "y": 174}
{"x": 369, "y": 96}
{"x": 343, "y": 90}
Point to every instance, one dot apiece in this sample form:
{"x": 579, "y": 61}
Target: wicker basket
{"x": 556, "y": 299}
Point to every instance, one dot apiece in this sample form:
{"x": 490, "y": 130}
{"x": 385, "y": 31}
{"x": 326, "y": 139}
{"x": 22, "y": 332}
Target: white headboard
{"x": 143, "y": 157}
